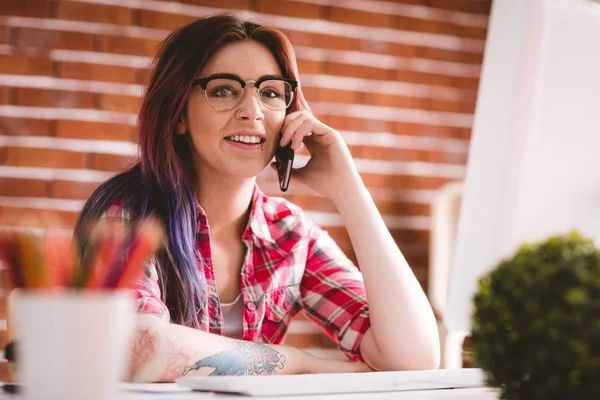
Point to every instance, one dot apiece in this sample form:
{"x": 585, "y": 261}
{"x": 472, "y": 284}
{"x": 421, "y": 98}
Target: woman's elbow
{"x": 145, "y": 349}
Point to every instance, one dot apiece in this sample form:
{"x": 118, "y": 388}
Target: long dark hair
{"x": 162, "y": 183}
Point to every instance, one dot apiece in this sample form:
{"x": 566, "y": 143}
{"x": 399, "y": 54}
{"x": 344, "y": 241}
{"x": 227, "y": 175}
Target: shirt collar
{"x": 258, "y": 224}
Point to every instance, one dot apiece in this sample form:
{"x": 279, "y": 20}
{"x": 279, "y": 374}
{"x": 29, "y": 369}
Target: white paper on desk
{"x": 318, "y": 384}
{"x": 154, "y": 387}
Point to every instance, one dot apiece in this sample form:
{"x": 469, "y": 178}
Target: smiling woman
{"x": 238, "y": 265}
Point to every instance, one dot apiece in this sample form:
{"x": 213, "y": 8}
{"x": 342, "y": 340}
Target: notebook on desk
{"x": 370, "y": 382}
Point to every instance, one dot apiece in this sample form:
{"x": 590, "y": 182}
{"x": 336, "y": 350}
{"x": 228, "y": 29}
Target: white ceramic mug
{"x": 73, "y": 345}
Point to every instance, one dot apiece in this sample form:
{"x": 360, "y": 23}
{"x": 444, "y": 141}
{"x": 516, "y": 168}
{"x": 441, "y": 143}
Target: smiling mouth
{"x": 246, "y": 139}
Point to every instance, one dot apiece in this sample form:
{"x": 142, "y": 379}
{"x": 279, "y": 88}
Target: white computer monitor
{"x": 534, "y": 161}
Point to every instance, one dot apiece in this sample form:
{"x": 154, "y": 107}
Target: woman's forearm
{"x": 163, "y": 352}
{"x": 403, "y": 333}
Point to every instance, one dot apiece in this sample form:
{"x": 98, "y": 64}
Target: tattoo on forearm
{"x": 143, "y": 347}
{"x": 243, "y": 358}
{"x": 177, "y": 361}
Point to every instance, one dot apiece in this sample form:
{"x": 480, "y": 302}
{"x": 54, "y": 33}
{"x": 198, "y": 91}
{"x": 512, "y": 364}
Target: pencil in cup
{"x": 112, "y": 257}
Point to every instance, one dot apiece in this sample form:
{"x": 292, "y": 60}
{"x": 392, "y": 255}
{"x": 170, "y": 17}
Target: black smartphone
{"x": 284, "y": 159}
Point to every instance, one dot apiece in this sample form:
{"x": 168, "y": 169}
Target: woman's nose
{"x": 250, "y": 105}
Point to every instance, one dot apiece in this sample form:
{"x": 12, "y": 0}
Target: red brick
{"x": 315, "y": 203}
{"x": 341, "y": 122}
{"x": 311, "y": 66}
{"x": 403, "y": 181}
{"x": 143, "y": 76}
{"x": 469, "y": 6}
{"x": 450, "y": 55}
{"x": 452, "y": 106}
{"x": 411, "y": 236}
{"x": 360, "y": 17}
{"x": 5, "y": 31}
{"x": 96, "y": 72}
{"x": 390, "y": 100}
{"x": 230, "y": 4}
{"x": 474, "y": 32}
{"x": 50, "y": 39}
{"x": 290, "y": 9}
{"x": 367, "y": 151}
{"x": 72, "y": 10}
{"x": 45, "y": 158}
{"x": 336, "y": 96}
{"x": 409, "y": 128}
{"x": 14, "y": 216}
{"x": 421, "y": 2}
{"x": 23, "y": 187}
{"x": 465, "y": 83}
{"x": 163, "y": 20}
{"x": 331, "y": 42}
{"x": 111, "y": 162}
{"x": 54, "y": 98}
{"x": 5, "y": 94}
{"x": 94, "y": 130}
{"x": 3, "y": 365}
{"x": 25, "y": 127}
{"x": 405, "y": 23}
{"x": 121, "y": 103}
{"x": 25, "y": 8}
{"x": 424, "y": 78}
{"x": 407, "y": 208}
{"x": 72, "y": 190}
{"x": 358, "y": 71}
{"x": 22, "y": 65}
{"x": 310, "y": 94}
{"x": 404, "y": 128}
{"x": 417, "y": 182}
{"x": 127, "y": 45}
{"x": 374, "y": 46}
{"x": 402, "y": 50}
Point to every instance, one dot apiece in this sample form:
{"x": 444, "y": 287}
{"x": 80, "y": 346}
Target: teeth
{"x": 245, "y": 139}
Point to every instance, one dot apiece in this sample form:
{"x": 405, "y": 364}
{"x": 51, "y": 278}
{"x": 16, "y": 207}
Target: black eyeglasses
{"x": 225, "y": 91}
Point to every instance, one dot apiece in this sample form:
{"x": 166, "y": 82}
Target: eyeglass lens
{"x": 224, "y": 94}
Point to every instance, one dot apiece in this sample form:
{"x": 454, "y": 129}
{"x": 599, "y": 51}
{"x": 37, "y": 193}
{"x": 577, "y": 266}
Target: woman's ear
{"x": 181, "y": 127}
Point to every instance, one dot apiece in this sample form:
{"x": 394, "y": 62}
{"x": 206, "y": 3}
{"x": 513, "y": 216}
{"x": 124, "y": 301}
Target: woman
{"x": 239, "y": 264}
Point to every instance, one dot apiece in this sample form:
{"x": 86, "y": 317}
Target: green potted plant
{"x": 536, "y": 321}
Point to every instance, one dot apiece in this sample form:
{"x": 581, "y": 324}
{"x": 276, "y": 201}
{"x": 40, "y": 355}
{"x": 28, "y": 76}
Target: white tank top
{"x": 233, "y": 314}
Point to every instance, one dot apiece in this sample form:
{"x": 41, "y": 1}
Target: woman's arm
{"x": 163, "y": 352}
{"x": 403, "y": 333}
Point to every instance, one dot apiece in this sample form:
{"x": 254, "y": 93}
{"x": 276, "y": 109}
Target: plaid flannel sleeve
{"x": 333, "y": 294}
{"x": 146, "y": 289}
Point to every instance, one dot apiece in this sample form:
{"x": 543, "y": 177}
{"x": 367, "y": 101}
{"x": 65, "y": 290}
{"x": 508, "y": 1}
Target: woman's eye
{"x": 270, "y": 93}
{"x": 223, "y": 91}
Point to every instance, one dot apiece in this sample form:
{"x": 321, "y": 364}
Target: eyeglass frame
{"x": 203, "y": 83}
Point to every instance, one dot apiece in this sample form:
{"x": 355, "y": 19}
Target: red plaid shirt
{"x": 291, "y": 265}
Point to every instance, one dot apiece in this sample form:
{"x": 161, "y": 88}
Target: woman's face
{"x": 220, "y": 137}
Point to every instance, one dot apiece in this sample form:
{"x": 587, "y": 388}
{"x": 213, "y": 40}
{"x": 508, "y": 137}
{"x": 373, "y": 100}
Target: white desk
{"x": 449, "y": 394}
{"x": 407, "y": 385}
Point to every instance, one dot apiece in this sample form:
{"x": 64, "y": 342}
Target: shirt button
{"x": 251, "y": 306}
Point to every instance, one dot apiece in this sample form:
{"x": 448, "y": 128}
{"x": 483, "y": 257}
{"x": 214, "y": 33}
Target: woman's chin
{"x": 245, "y": 170}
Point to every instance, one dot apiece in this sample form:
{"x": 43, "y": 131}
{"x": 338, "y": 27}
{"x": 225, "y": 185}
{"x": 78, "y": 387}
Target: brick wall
{"x": 397, "y": 78}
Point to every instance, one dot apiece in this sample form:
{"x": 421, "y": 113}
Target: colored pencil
{"x": 110, "y": 257}
{"x": 59, "y": 256}
{"x": 10, "y": 256}
{"x": 148, "y": 240}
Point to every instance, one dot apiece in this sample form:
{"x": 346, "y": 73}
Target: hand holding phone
{"x": 284, "y": 159}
